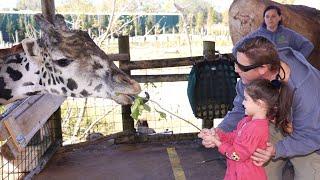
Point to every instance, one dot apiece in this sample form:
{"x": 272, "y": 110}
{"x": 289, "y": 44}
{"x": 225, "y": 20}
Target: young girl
{"x": 264, "y": 102}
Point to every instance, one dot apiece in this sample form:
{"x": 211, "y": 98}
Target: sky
{"x": 220, "y": 4}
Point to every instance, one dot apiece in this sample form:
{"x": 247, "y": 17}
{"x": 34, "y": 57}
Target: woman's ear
{"x": 263, "y": 69}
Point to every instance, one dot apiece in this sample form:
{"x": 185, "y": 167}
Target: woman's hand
{"x": 261, "y": 156}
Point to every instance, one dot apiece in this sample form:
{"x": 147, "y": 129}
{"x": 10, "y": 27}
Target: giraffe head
{"x": 69, "y": 63}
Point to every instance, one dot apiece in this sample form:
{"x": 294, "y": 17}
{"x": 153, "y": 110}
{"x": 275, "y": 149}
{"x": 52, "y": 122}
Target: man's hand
{"x": 261, "y": 156}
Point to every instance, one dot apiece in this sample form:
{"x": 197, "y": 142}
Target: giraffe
{"x": 62, "y": 62}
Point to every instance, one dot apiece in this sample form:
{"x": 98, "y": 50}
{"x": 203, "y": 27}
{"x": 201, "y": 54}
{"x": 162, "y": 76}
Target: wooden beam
{"x": 48, "y": 9}
{"x": 119, "y": 57}
{"x": 161, "y": 63}
{"x": 24, "y": 121}
{"x": 160, "y": 78}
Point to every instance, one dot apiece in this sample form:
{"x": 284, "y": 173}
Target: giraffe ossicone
{"x": 62, "y": 62}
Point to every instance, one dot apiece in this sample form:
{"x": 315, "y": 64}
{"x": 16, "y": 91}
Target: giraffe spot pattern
{"x": 17, "y": 59}
{"x": 14, "y": 74}
{"x": 4, "y": 93}
{"x": 57, "y": 79}
{"x": 55, "y": 91}
{"x": 98, "y": 88}
{"x": 84, "y": 93}
{"x": 61, "y": 79}
{"x": 27, "y": 66}
{"x": 71, "y": 84}
{"x": 32, "y": 93}
{"x": 28, "y": 84}
{"x": 53, "y": 80}
{"x": 64, "y": 90}
{"x": 44, "y": 74}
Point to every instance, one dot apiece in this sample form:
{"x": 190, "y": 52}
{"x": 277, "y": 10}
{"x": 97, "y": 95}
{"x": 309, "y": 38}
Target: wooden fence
{"x": 127, "y": 65}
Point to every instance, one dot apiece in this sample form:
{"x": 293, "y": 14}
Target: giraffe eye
{"x": 63, "y": 62}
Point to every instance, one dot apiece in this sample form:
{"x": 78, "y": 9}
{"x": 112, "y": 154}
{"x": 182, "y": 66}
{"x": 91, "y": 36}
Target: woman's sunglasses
{"x": 246, "y": 68}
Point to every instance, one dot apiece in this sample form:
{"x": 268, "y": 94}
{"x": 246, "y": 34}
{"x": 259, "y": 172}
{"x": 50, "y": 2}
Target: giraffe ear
{"x": 31, "y": 48}
{"x": 50, "y": 34}
{"x": 45, "y": 25}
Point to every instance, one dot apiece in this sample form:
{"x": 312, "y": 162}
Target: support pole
{"x": 48, "y": 9}
{"x": 127, "y": 120}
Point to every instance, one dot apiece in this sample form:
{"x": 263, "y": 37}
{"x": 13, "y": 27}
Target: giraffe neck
{"x": 19, "y": 77}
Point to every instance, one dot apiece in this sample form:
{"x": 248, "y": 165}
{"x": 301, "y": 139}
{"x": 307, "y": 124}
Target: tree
{"x": 34, "y": 5}
{"x": 199, "y": 22}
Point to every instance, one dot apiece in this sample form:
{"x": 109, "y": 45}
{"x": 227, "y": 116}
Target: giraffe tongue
{"x": 145, "y": 99}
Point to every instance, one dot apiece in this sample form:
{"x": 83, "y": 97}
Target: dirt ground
{"x": 157, "y": 161}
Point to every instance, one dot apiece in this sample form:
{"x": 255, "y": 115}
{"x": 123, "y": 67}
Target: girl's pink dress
{"x": 240, "y": 144}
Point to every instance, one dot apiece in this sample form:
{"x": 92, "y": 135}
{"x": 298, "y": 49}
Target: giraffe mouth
{"x": 130, "y": 98}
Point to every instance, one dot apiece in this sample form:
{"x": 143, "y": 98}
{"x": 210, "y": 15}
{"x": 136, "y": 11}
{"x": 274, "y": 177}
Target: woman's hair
{"x": 260, "y": 50}
{"x": 269, "y": 8}
{"x": 277, "y": 97}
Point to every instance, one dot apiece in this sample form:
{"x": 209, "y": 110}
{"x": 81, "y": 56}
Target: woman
{"x": 257, "y": 58}
{"x": 273, "y": 29}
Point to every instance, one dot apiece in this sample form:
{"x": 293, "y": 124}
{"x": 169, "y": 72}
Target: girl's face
{"x": 272, "y": 19}
{"x": 251, "y": 107}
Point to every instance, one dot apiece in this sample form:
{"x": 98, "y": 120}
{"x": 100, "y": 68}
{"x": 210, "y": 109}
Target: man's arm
{"x": 232, "y": 118}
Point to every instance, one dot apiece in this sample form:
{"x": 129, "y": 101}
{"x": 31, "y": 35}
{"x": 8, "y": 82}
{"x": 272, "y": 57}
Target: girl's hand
{"x": 208, "y": 144}
{"x": 203, "y": 133}
{"x": 212, "y": 139}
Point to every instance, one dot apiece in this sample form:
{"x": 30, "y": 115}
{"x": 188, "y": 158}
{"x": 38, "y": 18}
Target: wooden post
{"x": 57, "y": 125}
{"x": 48, "y": 9}
{"x": 208, "y": 50}
{"x": 127, "y": 120}
{"x": 208, "y": 53}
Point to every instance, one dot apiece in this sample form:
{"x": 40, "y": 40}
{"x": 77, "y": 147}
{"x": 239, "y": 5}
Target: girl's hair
{"x": 269, "y": 8}
{"x": 278, "y": 98}
{"x": 260, "y": 50}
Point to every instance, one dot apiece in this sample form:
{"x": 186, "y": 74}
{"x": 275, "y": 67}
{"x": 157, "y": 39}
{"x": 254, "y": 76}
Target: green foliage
{"x": 139, "y": 106}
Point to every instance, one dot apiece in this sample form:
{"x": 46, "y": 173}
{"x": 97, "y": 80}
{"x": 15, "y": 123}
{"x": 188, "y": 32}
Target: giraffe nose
{"x": 133, "y": 85}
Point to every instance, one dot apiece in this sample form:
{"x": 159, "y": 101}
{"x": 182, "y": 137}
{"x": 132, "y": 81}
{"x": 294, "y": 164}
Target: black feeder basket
{"x": 211, "y": 87}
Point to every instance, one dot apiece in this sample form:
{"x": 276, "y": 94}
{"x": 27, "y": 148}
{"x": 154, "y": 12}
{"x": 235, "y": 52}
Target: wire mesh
{"x": 84, "y": 116}
{"x": 18, "y": 167}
